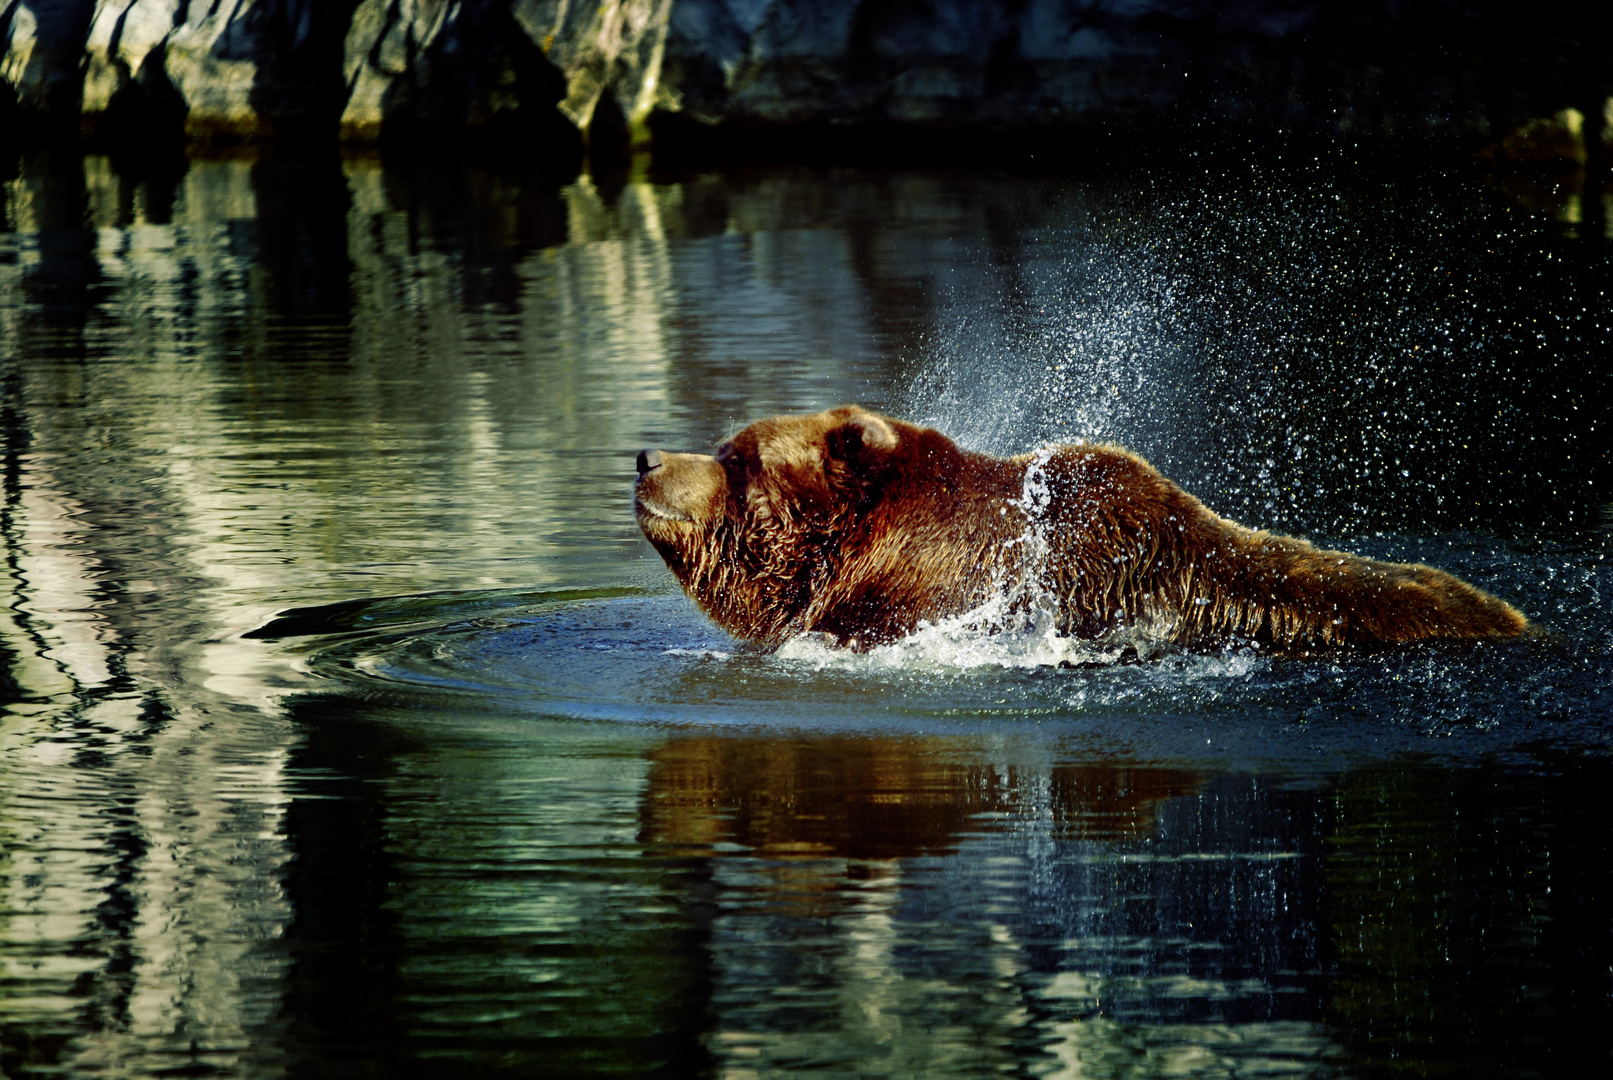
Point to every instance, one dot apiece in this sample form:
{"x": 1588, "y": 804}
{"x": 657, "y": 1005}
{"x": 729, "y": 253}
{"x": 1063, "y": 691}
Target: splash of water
{"x": 1275, "y": 343}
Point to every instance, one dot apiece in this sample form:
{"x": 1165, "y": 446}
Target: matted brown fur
{"x": 860, "y": 526}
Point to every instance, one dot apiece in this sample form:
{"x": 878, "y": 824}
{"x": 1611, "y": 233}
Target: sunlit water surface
{"x": 350, "y": 728}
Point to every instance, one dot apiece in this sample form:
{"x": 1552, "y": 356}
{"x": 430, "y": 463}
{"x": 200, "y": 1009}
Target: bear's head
{"x": 753, "y": 532}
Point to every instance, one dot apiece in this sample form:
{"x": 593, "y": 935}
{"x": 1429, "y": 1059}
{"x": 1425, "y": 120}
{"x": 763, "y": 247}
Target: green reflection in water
{"x": 265, "y": 386}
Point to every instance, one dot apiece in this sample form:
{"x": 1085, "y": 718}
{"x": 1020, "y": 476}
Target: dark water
{"x": 351, "y": 730}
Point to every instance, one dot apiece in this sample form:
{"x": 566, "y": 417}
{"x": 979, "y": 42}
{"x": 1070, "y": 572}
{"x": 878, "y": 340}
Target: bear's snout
{"x": 678, "y": 487}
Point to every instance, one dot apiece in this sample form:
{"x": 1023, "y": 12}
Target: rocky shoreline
{"x": 546, "y": 78}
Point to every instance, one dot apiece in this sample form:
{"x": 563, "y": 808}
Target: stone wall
{"x": 549, "y": 73}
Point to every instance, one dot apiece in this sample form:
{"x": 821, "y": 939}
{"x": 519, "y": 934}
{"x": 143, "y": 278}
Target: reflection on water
{"x": 875, "y": 798}
{"x": 349, "y": 727}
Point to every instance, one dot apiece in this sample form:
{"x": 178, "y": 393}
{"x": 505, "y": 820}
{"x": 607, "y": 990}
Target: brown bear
{"x": 861, "y": 527}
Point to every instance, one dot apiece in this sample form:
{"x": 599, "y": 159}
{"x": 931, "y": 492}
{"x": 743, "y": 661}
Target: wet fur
{"x": 860, "y": 526}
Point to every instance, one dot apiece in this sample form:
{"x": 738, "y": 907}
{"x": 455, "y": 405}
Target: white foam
{"x": 699, "y": 654}
{"x": 988, "y": 637}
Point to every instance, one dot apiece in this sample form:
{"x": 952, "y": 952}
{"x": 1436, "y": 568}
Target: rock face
{"x": 550, "y": 72}
{"x": 359, "y": 68}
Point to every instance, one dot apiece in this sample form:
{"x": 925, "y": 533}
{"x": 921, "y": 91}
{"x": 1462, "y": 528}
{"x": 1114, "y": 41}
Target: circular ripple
{"x": 627, "y": 656}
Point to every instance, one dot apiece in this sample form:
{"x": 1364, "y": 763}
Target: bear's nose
{"x": 647, "y": 460}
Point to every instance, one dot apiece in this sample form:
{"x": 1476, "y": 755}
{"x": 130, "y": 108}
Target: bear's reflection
{"x": 883, "y": 797}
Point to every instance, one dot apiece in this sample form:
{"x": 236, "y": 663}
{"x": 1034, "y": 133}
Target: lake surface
{"x": 351, "y": 729}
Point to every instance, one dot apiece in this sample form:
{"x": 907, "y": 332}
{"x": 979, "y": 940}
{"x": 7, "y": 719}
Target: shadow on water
{"x": 349, "y": 727}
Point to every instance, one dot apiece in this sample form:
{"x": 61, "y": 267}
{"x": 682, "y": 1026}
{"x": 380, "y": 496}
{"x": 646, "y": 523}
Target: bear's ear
{"x": 862, "y": 439}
